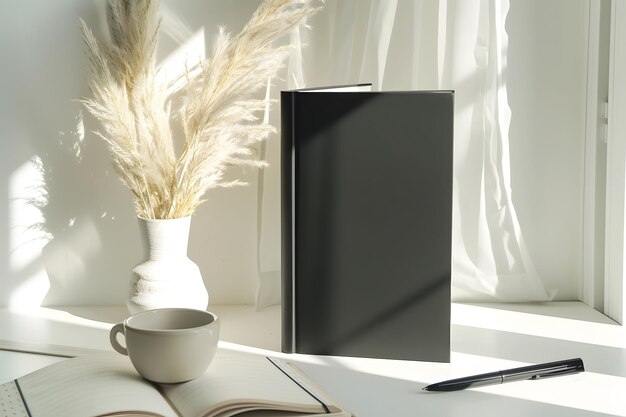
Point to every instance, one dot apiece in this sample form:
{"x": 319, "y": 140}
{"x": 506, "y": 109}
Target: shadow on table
{"x": 104, "y": 314}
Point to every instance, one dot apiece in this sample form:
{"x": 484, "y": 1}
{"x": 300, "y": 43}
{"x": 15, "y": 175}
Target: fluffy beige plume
{"x": 218, "y": 115}
{"x": 132, "y": 107}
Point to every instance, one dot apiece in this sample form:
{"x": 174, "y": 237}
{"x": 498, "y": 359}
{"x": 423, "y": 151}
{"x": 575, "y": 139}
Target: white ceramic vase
{"x": 166, "y": 277}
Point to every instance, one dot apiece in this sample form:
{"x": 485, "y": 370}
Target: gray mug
{"x": 169, "y": 345}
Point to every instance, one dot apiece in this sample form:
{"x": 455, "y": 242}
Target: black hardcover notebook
{"x": 367, "y": 223}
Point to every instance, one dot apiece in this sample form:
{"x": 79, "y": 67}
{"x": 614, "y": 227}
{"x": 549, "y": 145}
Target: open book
{"x": 106, "y": 384}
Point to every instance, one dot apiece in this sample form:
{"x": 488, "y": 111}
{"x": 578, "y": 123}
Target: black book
{"x": 367, "y": 222}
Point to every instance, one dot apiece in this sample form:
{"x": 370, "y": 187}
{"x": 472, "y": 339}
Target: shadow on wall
{"x": 71, "y": 209}
{"x": 84, "y": 209}
{"x": 63, "y": 204}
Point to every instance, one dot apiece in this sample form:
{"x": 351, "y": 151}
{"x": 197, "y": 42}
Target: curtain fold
{"x": 341, "y": 39}
{"x": 490, "y": 259}
{"x": 445, "y": 44}
{"x": 378, "y": 36}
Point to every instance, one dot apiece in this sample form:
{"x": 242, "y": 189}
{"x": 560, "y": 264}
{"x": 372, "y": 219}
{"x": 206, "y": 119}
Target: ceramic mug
{"x": 169, "y": 345}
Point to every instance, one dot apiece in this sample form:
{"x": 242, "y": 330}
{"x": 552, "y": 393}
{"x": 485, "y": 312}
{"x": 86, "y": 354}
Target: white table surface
{"x": 485, "y": 337}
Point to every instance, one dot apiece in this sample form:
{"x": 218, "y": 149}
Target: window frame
{"x": 616, "y": 168}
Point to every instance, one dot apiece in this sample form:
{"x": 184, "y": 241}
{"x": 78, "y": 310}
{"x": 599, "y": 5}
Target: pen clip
{"x": 570, "y": 367}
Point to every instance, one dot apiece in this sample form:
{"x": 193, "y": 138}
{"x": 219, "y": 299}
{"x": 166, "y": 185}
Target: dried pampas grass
{"x": 218, "y": 115}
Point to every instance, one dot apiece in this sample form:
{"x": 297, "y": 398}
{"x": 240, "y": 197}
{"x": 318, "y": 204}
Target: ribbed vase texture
{"x": 166, "y": 277}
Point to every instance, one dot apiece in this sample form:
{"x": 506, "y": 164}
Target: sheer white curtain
{"x": 426, "y": 44}
{"x": 490, "y": 259}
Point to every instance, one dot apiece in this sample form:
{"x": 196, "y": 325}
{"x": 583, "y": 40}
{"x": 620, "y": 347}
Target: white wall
{"x": 91, "y": 238}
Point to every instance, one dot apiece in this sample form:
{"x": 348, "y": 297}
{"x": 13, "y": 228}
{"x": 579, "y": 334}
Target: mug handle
{"x": 118, "y": 328}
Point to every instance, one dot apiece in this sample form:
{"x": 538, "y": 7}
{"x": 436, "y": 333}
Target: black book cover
{"x": 367, "y": 223}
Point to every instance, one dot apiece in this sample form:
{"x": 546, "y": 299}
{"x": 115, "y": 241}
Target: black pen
{"x": 544, "y": 370}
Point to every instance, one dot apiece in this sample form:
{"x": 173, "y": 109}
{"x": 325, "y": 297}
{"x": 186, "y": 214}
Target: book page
{"x": 236, "y": 382}
{"x": 355, "y": 88}
{"x": 92, "y": 385}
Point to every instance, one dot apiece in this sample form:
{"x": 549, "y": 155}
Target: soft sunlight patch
{"x": 188, "y": 55}
{"x": 27, "y": 235}
{"x": 585, "y": 326}
{"x": 43, "y": 320}
{"x": 569, "y": 392}
{"x": 79, "y": 133}
{"x": 31, "y": 292}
